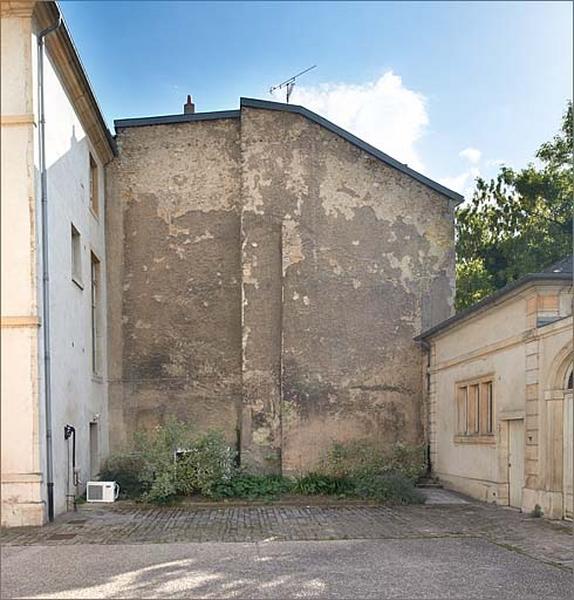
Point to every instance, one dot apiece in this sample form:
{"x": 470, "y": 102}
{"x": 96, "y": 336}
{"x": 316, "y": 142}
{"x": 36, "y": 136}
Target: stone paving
{"x": 444, "y": 515}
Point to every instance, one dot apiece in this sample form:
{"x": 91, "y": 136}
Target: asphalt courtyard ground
{"x": 448, "y": 548}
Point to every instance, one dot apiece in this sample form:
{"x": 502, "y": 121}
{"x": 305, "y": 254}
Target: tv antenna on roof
{"x": 289, "y": 84}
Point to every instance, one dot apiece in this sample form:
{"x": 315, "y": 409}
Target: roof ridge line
{"x": 353, "y": 139}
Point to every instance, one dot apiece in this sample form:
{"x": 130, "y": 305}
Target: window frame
{"x": 94, "y": 185}
{"x": 476, "y": 397}
{"x": 96, "y": 314}
{"x": 76, "y": 256}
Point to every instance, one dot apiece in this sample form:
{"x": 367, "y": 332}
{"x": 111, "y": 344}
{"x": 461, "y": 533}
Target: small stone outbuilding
{"x": 500, "y": 395}
{"x": 268, "y": 272}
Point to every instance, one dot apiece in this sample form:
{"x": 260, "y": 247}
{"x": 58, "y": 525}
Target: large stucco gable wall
{"x": 177, "y": 337}
{"x": 367, "y": 260}
{"x": 273, "y": 276}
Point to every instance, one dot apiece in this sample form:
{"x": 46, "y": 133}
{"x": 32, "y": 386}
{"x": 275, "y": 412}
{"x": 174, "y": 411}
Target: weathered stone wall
{"x": 178, "y": 337}
{"x": 367, "y": 260}
{"x": 274, "y": 276}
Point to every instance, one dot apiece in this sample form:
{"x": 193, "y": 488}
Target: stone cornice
{"x": 67, "y": 63}
{"x": 26, "y": 119}
{"x": 488, "y": 349}
{"x": 16, "y": 8}
{"x": 19, "y": 321}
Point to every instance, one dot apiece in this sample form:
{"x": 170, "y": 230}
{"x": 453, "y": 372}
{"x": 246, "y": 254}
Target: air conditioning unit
{"x": 102, "y": 491}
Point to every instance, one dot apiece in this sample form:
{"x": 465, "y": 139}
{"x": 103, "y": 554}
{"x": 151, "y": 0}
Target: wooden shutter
{"x": 461, "y": 394}
{"x": 473, "y": 411}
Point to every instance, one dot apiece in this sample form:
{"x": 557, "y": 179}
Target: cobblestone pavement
{"x": 443, "y": 516}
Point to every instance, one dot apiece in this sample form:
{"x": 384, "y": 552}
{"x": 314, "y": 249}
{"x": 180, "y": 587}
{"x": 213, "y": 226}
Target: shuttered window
{"x": 475, "y": 408}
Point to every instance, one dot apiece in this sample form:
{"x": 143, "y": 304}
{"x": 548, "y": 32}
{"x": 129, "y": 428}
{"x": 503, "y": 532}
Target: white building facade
{"x": 71, "y": 403}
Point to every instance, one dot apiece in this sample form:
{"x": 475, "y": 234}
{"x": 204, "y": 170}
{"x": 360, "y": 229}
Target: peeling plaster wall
{"x": 366, "y": 262}
{"x": 178, "y": 337}
{"x": 274, "y": 276}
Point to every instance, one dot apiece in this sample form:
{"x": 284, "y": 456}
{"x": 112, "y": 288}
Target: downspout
{"x": 426, "y": 346}
{"x": 45, "y": 271}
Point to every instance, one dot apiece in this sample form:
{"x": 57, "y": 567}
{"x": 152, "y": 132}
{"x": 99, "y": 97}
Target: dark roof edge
{"x": 389, "y": 160}
{"x": 182, "y": 118}
{"x": 492, "y": 299}
{"x": 52, "y": 12}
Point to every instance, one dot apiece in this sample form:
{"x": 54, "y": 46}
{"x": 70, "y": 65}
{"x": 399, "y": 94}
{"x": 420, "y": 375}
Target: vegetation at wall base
{"x": 323, "y": 484}
{"x": 252, "y": 486}
{"x": 171, "y": 462}
{"x": 517, "y": 223}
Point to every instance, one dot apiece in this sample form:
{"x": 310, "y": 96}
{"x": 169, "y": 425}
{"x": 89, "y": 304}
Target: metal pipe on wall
{"x": 45, "y": 270}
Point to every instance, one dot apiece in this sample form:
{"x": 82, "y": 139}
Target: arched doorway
{"x": 568, "y": 446}
{"x": 558, "y": 437}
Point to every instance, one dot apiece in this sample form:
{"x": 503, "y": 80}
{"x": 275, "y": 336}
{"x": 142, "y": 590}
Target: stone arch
{"x": 553, "y": 435}
{"x": 561, "y": 372}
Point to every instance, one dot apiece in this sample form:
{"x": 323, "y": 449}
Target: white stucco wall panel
{"x": 505, "y": 321}
{"x": 16, "y": 44}
{"x": 19, "y": 417}
{"x": 79, "y": 396}
{"x": 18, "y": 294}
{"x": 477, "y": 461}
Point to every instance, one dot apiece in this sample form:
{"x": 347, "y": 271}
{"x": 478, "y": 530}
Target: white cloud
{"x": 471, "y": 154}
{"x": 464, "y": 182}
{"x": 384, "y": 113}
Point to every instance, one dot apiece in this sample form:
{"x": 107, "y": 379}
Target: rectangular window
{"x": 475, "y": 411}
{"x": 94, "y": 187}
{"x": 76, "y": 256}
{"x": 96, "y": 325}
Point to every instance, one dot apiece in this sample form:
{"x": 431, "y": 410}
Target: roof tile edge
{"x": 173, "y": 119}
{"x": 493, "y": 299}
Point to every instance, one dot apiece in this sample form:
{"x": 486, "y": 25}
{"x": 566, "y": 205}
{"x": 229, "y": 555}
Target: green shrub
{"x": 411, "y": 461}
{"x": 169, "y": 461}
{"x": 209, "y": 462}
{"x": 125, "y": 469}
{"x": 389, "y": 487}
{"x": 246, "y": 485}
{"x": 157, "y": 449}
{"x": 320, "y": 483}
{"x": 357, "y": 457}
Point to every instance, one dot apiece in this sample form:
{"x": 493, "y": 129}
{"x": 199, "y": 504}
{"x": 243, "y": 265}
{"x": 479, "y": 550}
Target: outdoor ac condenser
{"x": 102, "y": 491}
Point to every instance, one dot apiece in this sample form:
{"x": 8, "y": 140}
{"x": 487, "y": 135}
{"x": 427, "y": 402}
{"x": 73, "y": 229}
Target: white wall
{"x": 78, "y": 396}
{"x": 23, "y": 492}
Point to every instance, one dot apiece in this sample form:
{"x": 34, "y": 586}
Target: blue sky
{"x": 451, "y": 88}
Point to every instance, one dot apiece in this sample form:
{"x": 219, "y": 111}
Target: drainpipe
{"x": 45, "y": 271}
{"x": 426, "y": 346}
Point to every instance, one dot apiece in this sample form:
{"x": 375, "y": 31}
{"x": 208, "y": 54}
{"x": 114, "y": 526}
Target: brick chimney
{"x": 189, "y": 106}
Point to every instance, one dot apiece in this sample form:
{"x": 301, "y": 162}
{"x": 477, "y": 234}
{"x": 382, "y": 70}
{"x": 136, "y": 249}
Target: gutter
{"x": 45, "y": 267}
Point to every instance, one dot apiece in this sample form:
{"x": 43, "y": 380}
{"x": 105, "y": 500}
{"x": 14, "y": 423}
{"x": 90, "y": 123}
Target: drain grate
{"x": 62, "y": 536}
{"x": 77, "y": 521}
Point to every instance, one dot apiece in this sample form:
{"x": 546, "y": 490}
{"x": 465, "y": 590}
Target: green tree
{"x": 517, "y": 223}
